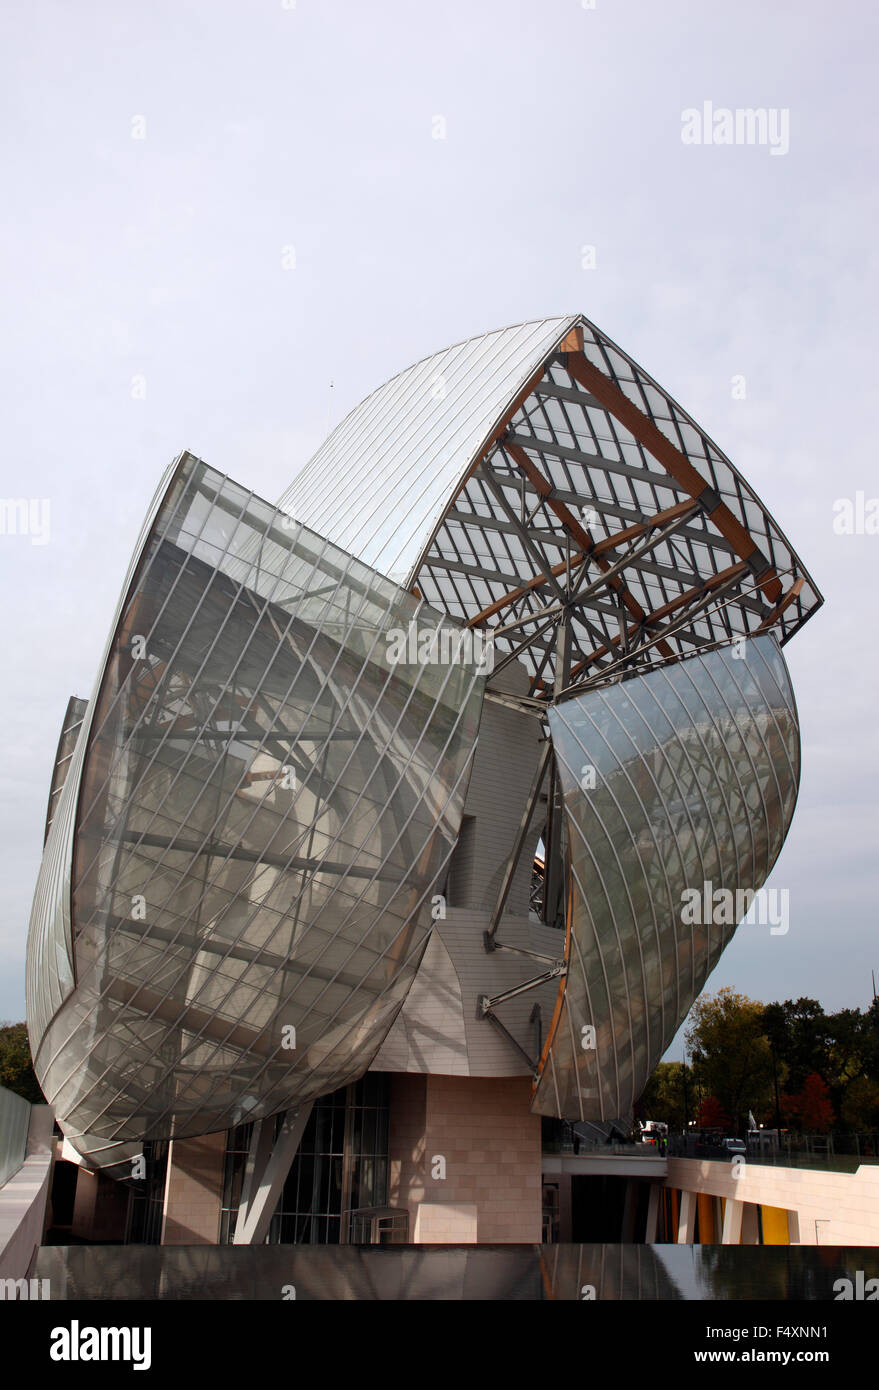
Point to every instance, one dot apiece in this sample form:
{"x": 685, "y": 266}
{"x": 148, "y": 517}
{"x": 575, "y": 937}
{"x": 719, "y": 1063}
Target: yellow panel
{"x": 707, "y": 1235}
{"x": 775, "y": 1230}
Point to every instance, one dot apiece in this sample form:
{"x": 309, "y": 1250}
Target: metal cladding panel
{"x": 49, "y": 959}
{"x": 266, "y": 796}
{"x": 70, "y": 729}
{"x": 50, "y": 965}
{"x": 383, "y": 479}
{"x": 683, "y": 777}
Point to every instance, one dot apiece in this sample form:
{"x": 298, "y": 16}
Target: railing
{"x": 840, "y": 1153}
{"x": 828, "y": 1163}
{"x": 15, "y": 1115}
{"x": 588, "y": 1148}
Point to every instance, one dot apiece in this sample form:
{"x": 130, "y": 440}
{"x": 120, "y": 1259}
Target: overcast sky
{"x": 159, "y": 159}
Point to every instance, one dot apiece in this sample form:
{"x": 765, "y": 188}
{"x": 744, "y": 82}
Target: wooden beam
{"x": 630, "y": 533}
{"x": 539, "y": 579}
{"x": 793, "y": 593}
{"x": 543, "y": 487}
{"x": 573, "y": 341}
{"x": 676, "y": 464}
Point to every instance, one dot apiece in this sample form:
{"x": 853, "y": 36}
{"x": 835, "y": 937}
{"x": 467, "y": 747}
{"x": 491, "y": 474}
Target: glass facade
{"x": 146, "y": 1196}
{"x": 250, "y": 820}
{"x": 267, "y": 798}
{"x": 341, "y": 1166}
{"x": 672, "y": 780}
{"x": 73, "y": 720}
{"x": 15, "y": 1117}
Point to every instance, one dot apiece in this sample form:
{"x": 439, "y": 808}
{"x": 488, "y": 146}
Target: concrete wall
{"x": 194, "y": 1191}
{"x": 465, "y": 1159}
{"x": 828, "y": 1208}
{"x": 507, "y": 753}
{"x": 24, "y": 1198}
{"x": 100, "y": 1207}
{"x": 437, "y": 1029}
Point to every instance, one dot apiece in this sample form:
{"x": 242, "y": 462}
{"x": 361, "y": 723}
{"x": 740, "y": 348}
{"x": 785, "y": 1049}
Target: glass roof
{"x": 537, "y": 483}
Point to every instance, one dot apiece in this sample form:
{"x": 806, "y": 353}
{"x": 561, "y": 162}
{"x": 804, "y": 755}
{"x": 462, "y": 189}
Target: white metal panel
{"x": 381, "y": 482}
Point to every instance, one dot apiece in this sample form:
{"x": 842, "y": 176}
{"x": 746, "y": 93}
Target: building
{"x": 374, "y": 852}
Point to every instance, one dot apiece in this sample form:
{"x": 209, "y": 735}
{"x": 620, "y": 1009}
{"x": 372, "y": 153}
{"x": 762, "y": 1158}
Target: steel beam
{"x": 516, "y": 851}
{"x": 270, "y": 1167}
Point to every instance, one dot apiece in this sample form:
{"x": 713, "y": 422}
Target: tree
{"x": 663, "y": 1096}
{"x": 731, "y": 1054}
{"x": 800, "y": 1036}
{"x": 812, "y": 1109}
{"x": 849, "y": 1052}
{"x": 712, "y": 1114}
{"x": 16, "y": 1067}
{"x": 860, "y": 1104}
{"x": 841, "y": 1048}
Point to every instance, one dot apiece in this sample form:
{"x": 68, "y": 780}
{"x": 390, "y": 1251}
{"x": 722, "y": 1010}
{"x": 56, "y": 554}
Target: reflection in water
{"x": 512, "y": 1272}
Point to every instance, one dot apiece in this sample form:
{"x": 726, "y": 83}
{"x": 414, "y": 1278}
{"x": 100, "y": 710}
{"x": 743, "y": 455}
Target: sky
{"x": 227, "y": 222}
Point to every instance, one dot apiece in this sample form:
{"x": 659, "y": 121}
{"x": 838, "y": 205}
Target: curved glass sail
{"x": 679, "y": 788}
{"x": 251, "y": 814}
{"x": 270, "y": 786}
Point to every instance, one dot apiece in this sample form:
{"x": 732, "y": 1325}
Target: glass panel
{"x": 15, "y": 1116}
{"x": 695, "y": 776}
{"x": 271, "y": 787}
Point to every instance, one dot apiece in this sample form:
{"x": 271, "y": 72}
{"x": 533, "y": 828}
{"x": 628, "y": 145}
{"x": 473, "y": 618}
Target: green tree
{"x": 849, "y": 1053}
{"x": 860, "y": 1104}
{"x": 841, "y": 1048}
{"x": 732, "y": 1058}
{"x": 800, "y": 1036}
{"x": 663, "y": 1096}
{"x": 16, "y": 1067}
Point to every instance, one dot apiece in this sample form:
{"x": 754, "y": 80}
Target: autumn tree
{"x": 731, "y": 1055}
{"x": 712, "y": 1114}
{"x": 812, "y": 1108}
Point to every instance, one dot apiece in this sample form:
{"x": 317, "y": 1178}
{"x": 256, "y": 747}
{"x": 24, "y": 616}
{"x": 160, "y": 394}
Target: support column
{"x": 258, "y": 1154}
{"x": 687, "y": 1219}
{"x": 750, "y": 1226}
{"x": 266, "y": 1184}
{"x": 566, "y": 1223}
{"x": 732, "y": 1222}
{"x": 652, "y": 1214}
{"x": 630, "y": 1208}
